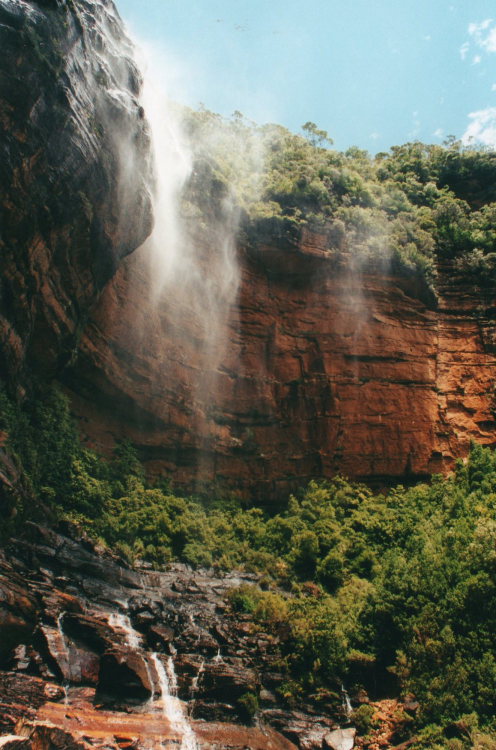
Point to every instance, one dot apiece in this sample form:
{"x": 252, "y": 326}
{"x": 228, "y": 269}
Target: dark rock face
{"x": 102, "y": 650}
{"x": 125, "y": 674}
{"x": 74, "y": 173}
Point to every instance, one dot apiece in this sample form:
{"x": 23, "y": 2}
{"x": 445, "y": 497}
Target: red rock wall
{"x": 324, "y": 371}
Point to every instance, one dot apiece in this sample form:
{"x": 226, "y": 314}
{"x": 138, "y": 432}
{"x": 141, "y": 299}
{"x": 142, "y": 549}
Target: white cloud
{"x": 482, "y": 128}
{"x": 464, "y": 49}
{"x": 483, "y": 34}
{"x": 475, "y": 29}
{"x": 439, "y": 133}
{"x": 490, "y": 41}
{"x": 375, "y": 136}
{"x": 493, "y": 87}
{"x": 476, "y": 59}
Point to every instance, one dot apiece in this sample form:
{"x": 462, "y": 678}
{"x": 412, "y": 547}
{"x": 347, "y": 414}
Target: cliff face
{"x": 316, "y": 369}
{"x": 324, "y": 371}
{"x": 74, "y": 173}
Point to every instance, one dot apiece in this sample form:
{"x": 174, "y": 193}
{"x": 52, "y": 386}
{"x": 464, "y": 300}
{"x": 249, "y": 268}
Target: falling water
{"x": 347, "y": 707}
{"x": 172, "y": 707}
{"x": 206, "y": 278}
{"x": 132, "y": 638}
{"x": 171, "y": 675}
{"x": 66, "y": 663}
{"x": 196, "y": 679}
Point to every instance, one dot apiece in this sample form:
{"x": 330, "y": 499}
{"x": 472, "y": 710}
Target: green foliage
{"x": 391, "y": 592}
{"x": 361, "y": 718}
{"x": 249, "y": 705}
{"x": 406, "y": 209}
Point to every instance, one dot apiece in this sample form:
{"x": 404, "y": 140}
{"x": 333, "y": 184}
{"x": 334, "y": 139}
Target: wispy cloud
{"x": 439, "y": 133}
{"x": 476, "y": 29}
{"x": 482, "y": 39}
{"x": 483, "y": 34}
{"x": 482, "y": 128}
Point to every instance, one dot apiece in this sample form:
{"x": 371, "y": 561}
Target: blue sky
{"x": 373, "y": 74}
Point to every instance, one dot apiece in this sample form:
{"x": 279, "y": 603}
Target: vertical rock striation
{"x": 325, "y": 371}
{"x": 74, "y": 173}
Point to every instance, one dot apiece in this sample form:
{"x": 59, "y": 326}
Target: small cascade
{"x": 194, "y": 682}
{"x": 194, "y": 686}
{"x": 218, "y": 657}
{"x": 347, "y": 707}
{"x": 171, "y": 674}
{"x": 66, "y": 663}
{"x": 172, "y": 708}
{"x": 122, "y": 622}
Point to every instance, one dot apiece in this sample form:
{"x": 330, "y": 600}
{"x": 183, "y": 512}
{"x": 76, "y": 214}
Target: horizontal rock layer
{"x": 323, "y": 371}
{"x": 86, "y": 642}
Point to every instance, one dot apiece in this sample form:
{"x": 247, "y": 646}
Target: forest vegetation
{"x": 391, "y": 593}
{"x": 407, "y": 210}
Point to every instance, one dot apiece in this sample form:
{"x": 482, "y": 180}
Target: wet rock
{"x": 124, "y": 675}
{"x": 106, "y": 662}
{"x": 226, "y": 683}
{"x": 46, "y": 736}
{"x": 94, "y": 632}
{"x": 20, "y": 698}
{"x": 51, "y": 644}
{"x": 18, "y": 610}
{"x": 215, "y": 736}
{"x": 160, "y": 635}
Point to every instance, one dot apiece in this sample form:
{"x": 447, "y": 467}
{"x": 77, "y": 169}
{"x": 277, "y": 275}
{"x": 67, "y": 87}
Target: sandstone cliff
{"x": 318, "y": 369}
{"x": 324, "y": 371}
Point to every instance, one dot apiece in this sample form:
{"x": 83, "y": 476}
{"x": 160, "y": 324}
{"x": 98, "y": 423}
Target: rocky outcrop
{"x": 74, "y": 174}
{"x": 133, "y": 657}
{"x": 325, "y": 370}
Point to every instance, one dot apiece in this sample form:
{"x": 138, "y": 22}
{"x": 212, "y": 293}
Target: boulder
{"x": 340, "y": 739}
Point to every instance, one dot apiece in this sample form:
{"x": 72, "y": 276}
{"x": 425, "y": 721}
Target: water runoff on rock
{"x": 172, "y": 707}
{"x": 162, "y": 678}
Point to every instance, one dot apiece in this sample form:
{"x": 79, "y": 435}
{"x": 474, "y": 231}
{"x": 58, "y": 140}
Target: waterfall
{"x": 218, "y": 656}
{"x": 122, "y": 622}
{"x": 347, "y": 707}
{"x": 189, "y": 270}
{"x": 172, "y": 707}
{"x": 194, "y": 271}
{"x": 66, "y": 663}
{"x": 171, "y": 675}
{"x": 196, "y": 679}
